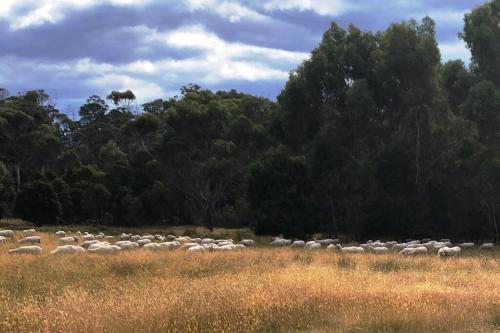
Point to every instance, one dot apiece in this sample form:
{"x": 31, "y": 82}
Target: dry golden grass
{"x": 257, "y": 290}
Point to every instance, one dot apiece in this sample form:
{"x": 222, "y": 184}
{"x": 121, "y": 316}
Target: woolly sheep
{"x": 225, "y": 243}
{"x": 104, "y": 247}
{"x": 170, "y": 237}
{"x": 487, "y": 246}
{"x": 34, "y": 250}
{"x": 379, "y": 249}
{"x": 207, "y": 241}
{"x": 60, "y": 233}
{"x": 197, "y": 248}
{"x": 135, "y": 238}
{"x": 247, "y": 242}
{"x": 87, "y": 237}
{"x": 414, "y": 251}
{"x": 349, "y": 249}
{"x": 188, "y": 245}
{"x": 3, "y": 240}
{"x": 143, "y": 241}
{"x": 169, "y": 245}
{"x": 449, "y": 251}
{"x": 68, "y": 249}
{"x": 314, "y": 246}
{"x": 7, "y": 233}
{"x": 29, "y": 232}
{"x": 326, "y": 242}
{"x": 30, "y": 240}
{"x": 124, "y": 237}
{"x": 152, "y": 247}
{"x": 127, "y": 245}
{"x": 109, "y": 238}
{"x": 298, "y": 243}
{"x": 466, "y": 245}
{"x": 280, "y": 242}
{"x": 150, "y": 237}
{"x": 68, "y": 240}
{"x": 86, "y": 244}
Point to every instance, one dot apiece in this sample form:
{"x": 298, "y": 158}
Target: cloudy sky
{"x": 76, "y": 48}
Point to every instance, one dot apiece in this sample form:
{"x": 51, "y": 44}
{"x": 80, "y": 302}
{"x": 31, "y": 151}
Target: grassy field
{"x": 257, "y": 290}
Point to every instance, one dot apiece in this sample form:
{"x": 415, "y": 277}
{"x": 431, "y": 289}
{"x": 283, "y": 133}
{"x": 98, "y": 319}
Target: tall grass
{"x": 258, "y": 290}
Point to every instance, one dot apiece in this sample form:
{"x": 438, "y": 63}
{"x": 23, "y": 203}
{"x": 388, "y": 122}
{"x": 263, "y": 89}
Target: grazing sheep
{"x": 34, "y": 250}
{"x": 449, "y": 251}
{"x": 170, "y": 238}
{"x": 278, "y": 242}
{"x": 298, "y": 243}
{"x": 247, "y": 242}
{"x": 379, "y": 249}
{"x": 466, "y": 245}
{"x": 68, "y": 240}
{"x": 445, "y": 240}
{"x": 104, "y": 247}
{"x": 314, "y": 246}
{"x": 170, "y": 245}
{"x": 29, "y": 232}
{"x": 30, "y": 240}
{"x": 326, "y": 242}
{"x": 127, "y": 245}
{"x": 109, "y": 238}
{"x": 88, "y": 237}
{"x": 349, "y": 249}
{"x": 124, "y": 236}
{"x": 86, "y": 244}
{"x": 413, "y": 251}
{"x": 150, "y": 237}
{"x": 7, "y": 233}
{"x": 181, "y": 239}
{"x": 207, "y": 241}
{"x": 135, "y": 238}
{"x": 60, "y": 233}
{"x": 3, "y": 240}
{"x": 152, "y": 247}
{"x": 68, "y": 249}
{"x": 487, "y": 246}
{"x": 196, "y": 248}
{"x": 188, "y": 245}
{"x": 143, "y": 242}
{"x": 225, "y": 243}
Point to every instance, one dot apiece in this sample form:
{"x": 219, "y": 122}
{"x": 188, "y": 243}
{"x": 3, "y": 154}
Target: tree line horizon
{"x": 372, "y": 136}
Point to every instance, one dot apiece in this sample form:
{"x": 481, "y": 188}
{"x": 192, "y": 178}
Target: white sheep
{"x": 124, "y": 236}
{"x": 88, "y": 237}
{"x": 86, "y": 244}
{"x": 466, "y": 245}
{"x": 297, "y": 244}
{"x": 315, "y": 246}
{"x": 170, "y": 245}
{"x": 170, "y": 238}
{"x": 68, "y": 249}
{"x": 104, "y": 248}
{"x": 60, "y": 233}
{"x": 206, "y": 241}
{"x": 247, "y": 242}
{"x": 109, "y": 238}
{"x": 135, "y": 238}
{"x": 379, "y": 249}
{"x": 197, "y": 248}
{"x": 127, "y": 245}
{"x": 487, "y": 246}
{"x": 349, "y": 249}
{"x": 279, "y": 242}
{"x": 34, "y": 250}
{"x": 150, "y": 237}
{"x": 413, "y": 251}
{"x": 29, "y": 232}
{"x": 7, "y": 233}
{"x": 188, "y": 245}
{"x": 449, "y": 251}
{"x": 68, "y": 240}
{"x": 152, "y": 247}
{"x": 143, "y": 241}
{"x": 3, "y": 240}
{"x": 30, "y": 240}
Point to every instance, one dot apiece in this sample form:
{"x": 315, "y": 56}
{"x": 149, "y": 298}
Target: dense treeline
{"x": 372, "y": 136}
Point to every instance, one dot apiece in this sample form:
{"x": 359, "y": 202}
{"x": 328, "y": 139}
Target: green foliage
{"x": 38, "y": 203}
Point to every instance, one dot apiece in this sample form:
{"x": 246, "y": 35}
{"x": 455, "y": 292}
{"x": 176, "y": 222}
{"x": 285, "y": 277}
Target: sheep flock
{"x": 78, "y": 243}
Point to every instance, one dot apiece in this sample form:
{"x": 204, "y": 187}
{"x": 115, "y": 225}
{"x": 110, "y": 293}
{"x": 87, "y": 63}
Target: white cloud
{"x": 454, "y": 50}
{"x": 230, "y": 10}
{"x": 21, "y": 14}
{"x": 322, "y": 7}
{"x": 143, "y": 89}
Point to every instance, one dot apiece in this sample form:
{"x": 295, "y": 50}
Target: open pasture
{"x": 259, "y": 289}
